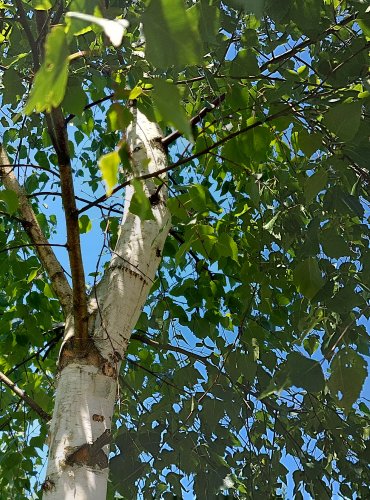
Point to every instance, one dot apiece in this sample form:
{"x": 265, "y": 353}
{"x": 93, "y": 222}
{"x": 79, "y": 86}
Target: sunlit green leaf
{"x": 84, "y": 223}
{"x": 10, "y": 199}
{"x": 51, "y": 79}
{"x": 171, "y": 34}
{"x": 108, "y": 165}
{"x": 166, "y": 98}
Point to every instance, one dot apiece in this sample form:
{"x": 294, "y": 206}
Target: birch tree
{"x": 184, "y": 248}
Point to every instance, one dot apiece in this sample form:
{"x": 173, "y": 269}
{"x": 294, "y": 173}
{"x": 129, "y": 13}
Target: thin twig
{"x": 57, "y": 131}
{"x": 25, "y": 25}
{"x": 22, "y": 394}
{"x": 168, "y": 347}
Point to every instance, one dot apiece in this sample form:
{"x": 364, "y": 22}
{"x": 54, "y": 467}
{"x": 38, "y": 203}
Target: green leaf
{"x": 84, "y": 223}
{"x": 118, "y": 117}
{"x": 166, "y": 98}
{"x": 48, "y": 292}
{"x": 108, "y": 165}
{"x": 171, "y": 32}
{"x": 348, "y": 373}
{"x": 75, "y": 98}
{"x": 10, "y": 199}
{"x": 307, "y": 277}
{"x": 304, "y": 372}
{"x": 306, "y": 14}
{"x": 255, "y": 6}
{"x": 201, "y": 200}
{"x": 344, "y": 120}
{"x": 244, "y": 64}
{"x": 41, "y": 4}
{"x": 333, "y": 244}
{"x": 227, "y": 247}
{"x": 51, "y": 79}
{"x": 140, "y": 204}
{"x": 257, "y": 141}
{"x": 136, "y": 92}
{"x": 314, "y": 184}
{"x": 309, "y": 143}
{"x": 33, "y": 274}
{"x": 13, "y": 89}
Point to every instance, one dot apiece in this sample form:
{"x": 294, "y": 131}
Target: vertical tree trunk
{"x": 87, "y": 388}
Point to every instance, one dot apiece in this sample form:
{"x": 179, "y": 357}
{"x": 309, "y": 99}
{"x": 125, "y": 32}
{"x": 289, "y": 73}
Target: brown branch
{"x": 32, "y": 227}
{"x": 32, "y": 165}
{"x": 306, "y": 43}
{"x": 22, "y": 394}
{"x": 169, "y": 139}
{"x": 25, "y": 25}
{"x": 57, "y": 131}
{"x": 26, "y": 245}
{"x": 88, "y": 106}
{"x": 169, "y": 347}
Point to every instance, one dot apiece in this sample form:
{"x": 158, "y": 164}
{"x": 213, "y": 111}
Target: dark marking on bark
{"x": 91, "y": 454}
{"x": 129, "y": 270}
{"x": 158, "y": 252}
{"x": 155, "y": 199}
{"x": 157, "y": 143}
{"x": 48, "y": 485}
{"x": 98, "y": 418}
{"x": 117, "y": 357}
{"x": 109, "y": 370}
{"x": 69, "y": 354}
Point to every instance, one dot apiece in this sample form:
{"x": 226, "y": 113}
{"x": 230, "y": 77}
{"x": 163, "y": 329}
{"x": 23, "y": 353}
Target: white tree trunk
{"x": 86, "y": 391}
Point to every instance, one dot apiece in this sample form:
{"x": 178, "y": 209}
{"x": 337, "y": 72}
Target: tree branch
{"x": 306, "y": 43}
{"x": 88, "y": 106}
{"x": 57, "y": 131}
{"x": 31, "y": 226}
{"x": 25, "y": 25}
{"x": 169, "y": 139}
{"x": 22, "y": 394}
{"x": 168, "y": 347}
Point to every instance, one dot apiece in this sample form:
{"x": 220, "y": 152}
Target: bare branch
{"x": 169, "y": 347}
{"x": 56, "y": 128}
{"x": 169, "y": 139}
{"x": 30, "y": 224}
{"x": 25, "y": 25}
{"x": 306, "y": 43}
{"x": 88, "y": 106}
{"x": 22, "y": 394}
{"x": 14, "y": 247}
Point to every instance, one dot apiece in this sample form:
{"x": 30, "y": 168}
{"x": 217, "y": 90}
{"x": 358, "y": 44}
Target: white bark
{"x": 86, "y": 391}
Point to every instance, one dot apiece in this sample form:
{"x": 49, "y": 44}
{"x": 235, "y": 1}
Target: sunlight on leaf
{"x": 115, "y": 30}
{"x": 51, "y": 79}
{"x": 108, "y": 165}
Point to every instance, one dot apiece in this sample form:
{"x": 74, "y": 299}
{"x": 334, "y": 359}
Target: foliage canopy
{"x": 248, "y": 361}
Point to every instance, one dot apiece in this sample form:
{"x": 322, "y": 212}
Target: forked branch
{"x": 30, "y": 224}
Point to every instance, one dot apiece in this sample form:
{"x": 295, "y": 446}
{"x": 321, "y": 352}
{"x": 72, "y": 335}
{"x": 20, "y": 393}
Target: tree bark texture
{"x": 87, "y": 388}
